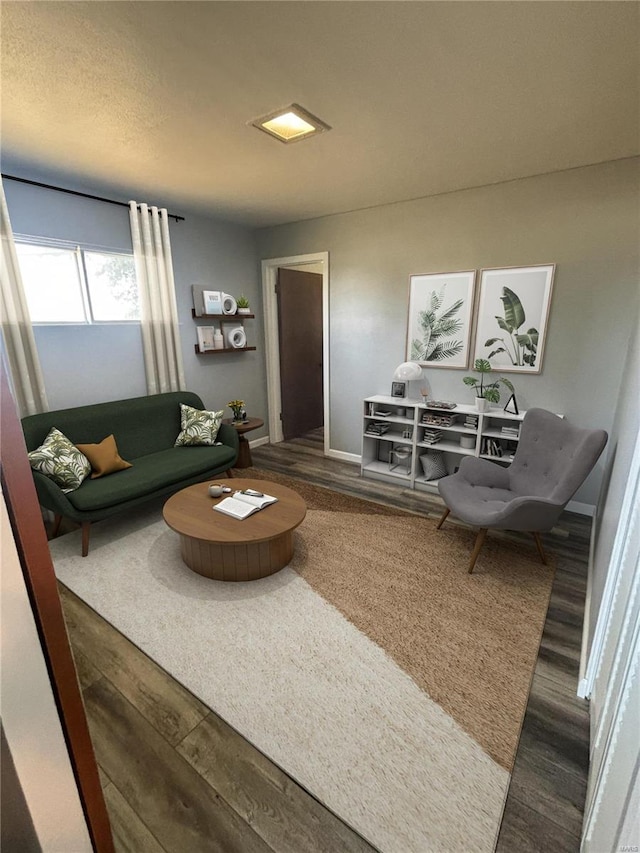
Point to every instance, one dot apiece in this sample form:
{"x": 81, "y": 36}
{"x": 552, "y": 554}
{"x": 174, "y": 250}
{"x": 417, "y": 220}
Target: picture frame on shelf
{"x": 398, "y": 389}
{"x": 511, "y": 405}
{"x": 440, "y": 319}
{"x": 212, "y": 301}
{"x": 514, "y": 305}
{"x": 205, "y": 338}
{"x": 198, "y": 303}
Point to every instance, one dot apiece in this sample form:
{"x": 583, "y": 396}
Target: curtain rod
{"x": 75, "y": 192}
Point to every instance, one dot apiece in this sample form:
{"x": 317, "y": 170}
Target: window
{"x": 76, "y": 285}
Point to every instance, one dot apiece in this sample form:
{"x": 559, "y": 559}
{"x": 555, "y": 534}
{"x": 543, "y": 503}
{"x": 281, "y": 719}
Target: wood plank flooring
{"x": 177, "y": 778}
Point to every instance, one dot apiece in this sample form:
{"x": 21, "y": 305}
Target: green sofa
{"x": 145, "y": 429}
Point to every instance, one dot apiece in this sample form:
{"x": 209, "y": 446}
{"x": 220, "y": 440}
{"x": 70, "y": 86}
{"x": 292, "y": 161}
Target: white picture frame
{"x": 440, "y": 319}
{"x": 513, "y": 316}
{"x": 205, "y": 338}
{"x": 212, "y": 301}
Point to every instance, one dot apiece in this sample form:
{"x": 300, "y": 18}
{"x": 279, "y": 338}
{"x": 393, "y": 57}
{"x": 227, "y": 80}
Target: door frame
{"x": 272, "y": 340}
{"x": 629, "y": 507}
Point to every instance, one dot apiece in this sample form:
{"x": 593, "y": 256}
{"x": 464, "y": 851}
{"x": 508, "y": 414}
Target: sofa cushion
{"x": 151, "y": 473}
{"x": 198, "y": 426}
{"x": 104, "y": 457}
{"x": 58, "y": 459}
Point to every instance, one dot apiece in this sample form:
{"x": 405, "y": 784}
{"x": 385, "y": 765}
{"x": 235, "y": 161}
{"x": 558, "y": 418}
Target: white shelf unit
{"x": 407, "y": 415}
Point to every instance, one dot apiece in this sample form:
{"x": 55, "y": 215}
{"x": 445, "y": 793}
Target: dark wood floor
{"x": 177, "y": 778}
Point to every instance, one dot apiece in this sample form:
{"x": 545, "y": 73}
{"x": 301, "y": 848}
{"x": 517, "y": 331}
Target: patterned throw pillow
{"x": 433, "y": 465}
{"x": 58, "y": 459}
{"x": 198, "y": 426}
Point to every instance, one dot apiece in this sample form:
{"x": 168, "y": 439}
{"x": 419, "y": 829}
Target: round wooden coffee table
{"x": 224, "y": 548}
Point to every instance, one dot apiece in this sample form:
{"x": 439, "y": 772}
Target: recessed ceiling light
{"x": 290, "y": 124}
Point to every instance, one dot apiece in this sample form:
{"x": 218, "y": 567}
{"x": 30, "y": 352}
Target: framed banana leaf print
{"x": 440, "y": 318}
{"x": 513, "y": 314}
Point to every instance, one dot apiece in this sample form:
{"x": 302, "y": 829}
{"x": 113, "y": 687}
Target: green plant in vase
{"x": 243, "y": 304}
{"x": 237, "y": 407}
{"x": 485, "y": 390}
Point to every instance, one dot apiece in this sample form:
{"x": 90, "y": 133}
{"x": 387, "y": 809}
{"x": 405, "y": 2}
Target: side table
{"x": 244, "y": 456}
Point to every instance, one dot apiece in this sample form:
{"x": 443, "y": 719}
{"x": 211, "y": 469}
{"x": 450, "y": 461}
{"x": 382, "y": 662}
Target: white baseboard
{"x": 356, "y": 459}
{"x": 583, "y": 686}
{"x": 344, "y": 456}
{"x": 580, "y": 508}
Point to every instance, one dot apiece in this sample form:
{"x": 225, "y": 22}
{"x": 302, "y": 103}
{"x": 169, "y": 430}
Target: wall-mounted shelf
{"x": 225, "y": 318}
{"x": 221, "y": 319}
{"x": 218, "y": 351}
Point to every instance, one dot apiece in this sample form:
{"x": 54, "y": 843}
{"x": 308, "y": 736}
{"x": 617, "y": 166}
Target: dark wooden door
{"x": 300, "y": 332}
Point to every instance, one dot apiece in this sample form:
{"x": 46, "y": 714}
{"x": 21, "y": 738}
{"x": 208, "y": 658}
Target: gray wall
{"x": 584, "y": 220}
{"x": 222, "y": 257}
{"x": 618, "y": 461}
{"x": 91, "y": 363}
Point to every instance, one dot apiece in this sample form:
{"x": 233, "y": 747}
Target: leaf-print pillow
{"x": 198, "y": 426}
{"x": 59, "y": 459}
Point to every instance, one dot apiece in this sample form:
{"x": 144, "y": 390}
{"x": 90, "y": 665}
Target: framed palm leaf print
{"x": 513, "y": 314}
{"x": 440, "y": 315}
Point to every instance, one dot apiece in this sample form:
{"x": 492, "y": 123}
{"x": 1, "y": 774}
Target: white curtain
{"x": 20, "y": 345}
{"x": 158, "y": 308}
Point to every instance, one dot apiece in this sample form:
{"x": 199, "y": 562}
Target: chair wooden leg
{"x": 476, "y": 548}
{"x": 229, "y": 473}
{"x": 536, "y": 536}
{"x": 442, "y": 520}
{"x": 57, "y": 521}
{"x": 86, "y": 527}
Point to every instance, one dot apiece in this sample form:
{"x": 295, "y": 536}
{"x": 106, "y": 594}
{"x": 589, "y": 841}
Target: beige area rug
{"x": 469, "y": 641}
{"x": 373, "y": 669}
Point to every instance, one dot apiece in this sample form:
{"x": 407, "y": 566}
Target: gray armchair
{"x": 552, "y": 460}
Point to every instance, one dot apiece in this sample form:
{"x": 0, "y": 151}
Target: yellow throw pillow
{"x": 104, "y": 457}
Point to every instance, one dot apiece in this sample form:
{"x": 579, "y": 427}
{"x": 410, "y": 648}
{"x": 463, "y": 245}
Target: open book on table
{"x": 240, "y": 505}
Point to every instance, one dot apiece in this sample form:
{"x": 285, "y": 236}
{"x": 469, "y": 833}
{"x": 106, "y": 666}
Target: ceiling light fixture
{"x": 290, "y": 124}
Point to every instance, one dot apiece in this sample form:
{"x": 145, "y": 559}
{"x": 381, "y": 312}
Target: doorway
{"x": 297, "y": 374}
{"x": 299, "y": 298}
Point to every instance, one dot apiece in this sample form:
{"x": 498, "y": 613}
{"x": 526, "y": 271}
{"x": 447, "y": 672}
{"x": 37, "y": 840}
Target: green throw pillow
{"x": 198, "y": 426}
{"x": 61, "y": 461}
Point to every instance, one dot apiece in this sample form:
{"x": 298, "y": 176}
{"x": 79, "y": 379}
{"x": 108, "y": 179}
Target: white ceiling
{"x": 152, "y": 100}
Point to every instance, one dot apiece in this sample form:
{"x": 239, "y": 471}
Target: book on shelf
{"x": 492, "y": 448}
{"x": 440, "y": 404}
{"x": 432, "y": 436}
{"x": 471, "y": 421}
{"x": 439, "y": 419}
{"x": 241, "y": 505}
{"x": 379, "y": 413}
{"x": 510, "y": 432}
{"x": 377, "y": 429}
